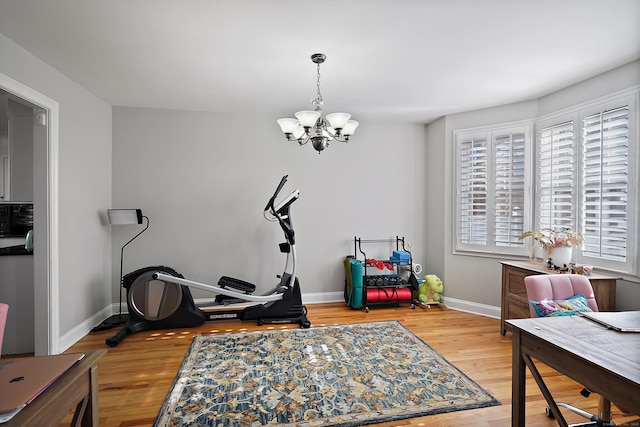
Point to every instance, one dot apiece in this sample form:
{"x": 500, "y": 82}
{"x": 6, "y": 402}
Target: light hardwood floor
{"x": 135, "y": 376}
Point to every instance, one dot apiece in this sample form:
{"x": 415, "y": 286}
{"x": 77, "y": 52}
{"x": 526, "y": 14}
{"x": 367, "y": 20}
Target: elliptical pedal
{"x": 240, "y": 285}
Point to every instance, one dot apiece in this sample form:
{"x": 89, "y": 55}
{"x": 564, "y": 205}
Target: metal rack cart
{"x": 386, "y": 285}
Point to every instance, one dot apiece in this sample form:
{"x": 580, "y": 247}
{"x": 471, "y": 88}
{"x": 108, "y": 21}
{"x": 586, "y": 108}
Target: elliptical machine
{"x": 158, "y": 297}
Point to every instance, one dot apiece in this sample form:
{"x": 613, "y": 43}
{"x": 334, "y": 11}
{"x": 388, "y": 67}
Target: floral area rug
{"x": 347, "y": 375}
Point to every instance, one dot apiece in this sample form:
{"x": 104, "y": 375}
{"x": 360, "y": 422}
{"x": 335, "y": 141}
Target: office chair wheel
{"x": 548, "y": 412}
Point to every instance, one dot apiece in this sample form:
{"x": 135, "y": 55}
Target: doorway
{"x": 45, "y": 201}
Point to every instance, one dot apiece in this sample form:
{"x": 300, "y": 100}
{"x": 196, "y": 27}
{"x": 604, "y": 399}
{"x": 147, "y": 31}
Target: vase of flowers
{"x": 557, "y": 246}
{"x": 560, "y": 257}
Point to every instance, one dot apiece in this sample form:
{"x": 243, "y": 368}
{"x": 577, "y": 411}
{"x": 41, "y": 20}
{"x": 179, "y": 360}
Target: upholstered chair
{"x": 559, "y": 288}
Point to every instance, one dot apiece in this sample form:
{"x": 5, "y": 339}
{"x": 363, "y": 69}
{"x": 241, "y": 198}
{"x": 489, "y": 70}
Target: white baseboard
{"x": 452, "y": 303}
{"x": 472, "y": 307}
{"x": 320, "y": 297}
{"x": 83, "y": 329}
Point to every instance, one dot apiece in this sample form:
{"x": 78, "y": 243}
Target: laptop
{"x": 622, "y": 321}
{"x": 22, "y": 379}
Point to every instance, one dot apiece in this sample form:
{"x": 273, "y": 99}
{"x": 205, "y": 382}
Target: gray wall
{"x": 83, "y": 185}
{"x": 475, "y": 282}
{"x": 203, "y": 179}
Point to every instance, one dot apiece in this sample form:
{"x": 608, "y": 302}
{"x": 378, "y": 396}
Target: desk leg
{"x": 90, "y": 416}
{"x": 518, "y": 381}
{"x": 78, "y": 415}
{"x": 604, "y": 409}
{"x": 553, "y": 407}
{"x": 86, "y": 413}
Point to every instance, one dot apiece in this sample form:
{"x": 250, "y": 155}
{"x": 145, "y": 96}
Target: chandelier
{"x": 310, "y": 126}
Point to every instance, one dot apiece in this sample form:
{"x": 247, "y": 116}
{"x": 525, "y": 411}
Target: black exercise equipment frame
{"x": 173, "y": 306}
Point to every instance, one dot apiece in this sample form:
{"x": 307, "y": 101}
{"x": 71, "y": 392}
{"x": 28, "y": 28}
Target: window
{"x": 492, "y": 203}
{"x": 586, "y": 168}
{"x": 582, "y": 173}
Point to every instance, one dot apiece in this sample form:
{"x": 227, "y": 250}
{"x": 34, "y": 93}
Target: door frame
{"x": 46, "y": 259}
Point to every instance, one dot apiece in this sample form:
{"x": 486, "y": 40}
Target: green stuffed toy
{"x": 429, "y": 290}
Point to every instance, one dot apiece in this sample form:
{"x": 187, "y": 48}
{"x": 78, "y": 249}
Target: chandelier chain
{"x": 319, "y": 99}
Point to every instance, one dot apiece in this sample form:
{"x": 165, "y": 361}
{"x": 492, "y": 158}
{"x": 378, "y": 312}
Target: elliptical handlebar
{"x": 281, "y": 211}
{"x": 272, "y": 200}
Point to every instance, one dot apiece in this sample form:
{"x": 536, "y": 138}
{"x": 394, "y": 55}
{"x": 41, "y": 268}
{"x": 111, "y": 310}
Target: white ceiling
{"x": 400, "y": 60}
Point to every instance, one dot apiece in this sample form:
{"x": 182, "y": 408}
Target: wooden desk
{"x": 76, "y": 390}
{"x": 603, "y": 360}
{"x": 515, "y": 304}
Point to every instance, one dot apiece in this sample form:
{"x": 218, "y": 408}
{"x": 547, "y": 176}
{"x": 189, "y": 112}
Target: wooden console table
{"x": 76, "y": 390}
{"x": 515, "y": 304}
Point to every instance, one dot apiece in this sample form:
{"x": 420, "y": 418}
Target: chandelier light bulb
{"x": 288, "y": 126}
{"x": 350, "y": 127}
{"x": 308, "y": 119}
{"x": 338, "y": 120}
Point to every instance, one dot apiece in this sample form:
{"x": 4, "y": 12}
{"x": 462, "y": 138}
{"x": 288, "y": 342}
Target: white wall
{"x": 477, "y": 280}
{"x": 84, "y": 184}
{"x": 204, "y": 179}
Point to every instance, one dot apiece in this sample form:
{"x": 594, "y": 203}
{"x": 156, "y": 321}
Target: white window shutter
{"x": 509, "y": 184}
{"x": 605, "y": 179}
{"x": 472, "y": 191}
{"x": 556, "y": 177}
